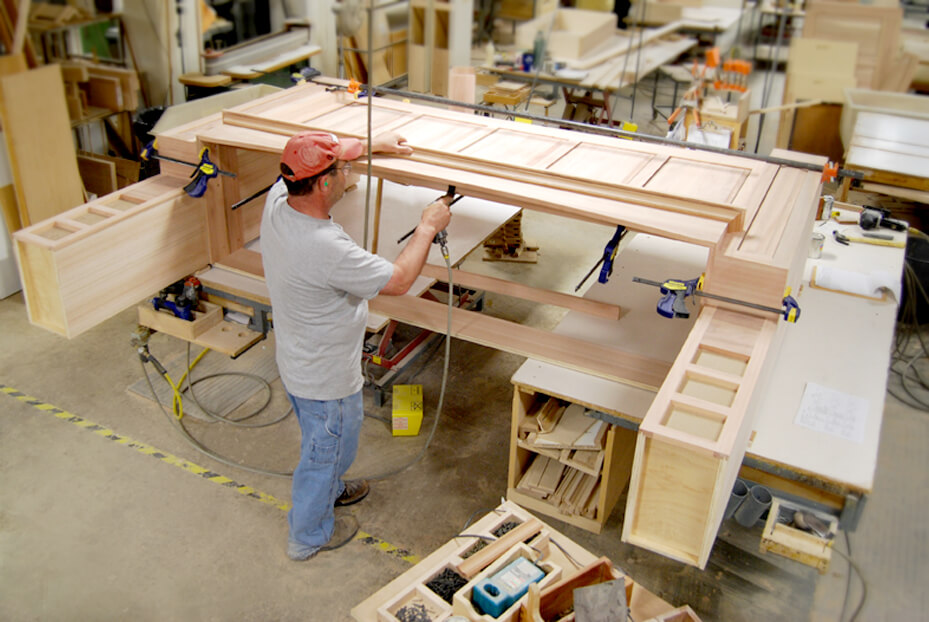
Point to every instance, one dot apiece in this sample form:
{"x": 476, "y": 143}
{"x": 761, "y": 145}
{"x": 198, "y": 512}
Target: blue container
{"x": 527, "y": 61}
{"x": 496, "y": 594}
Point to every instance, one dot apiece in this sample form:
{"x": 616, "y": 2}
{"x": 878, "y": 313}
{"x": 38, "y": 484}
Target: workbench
{"x": 841, "y": 341}
{"x": 613, "y": 65}
{"x": 751, "y": 216}
{"x": 717, "y": 26}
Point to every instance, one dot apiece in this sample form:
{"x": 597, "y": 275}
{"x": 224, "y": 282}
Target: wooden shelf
{"x": 611, "y": 470}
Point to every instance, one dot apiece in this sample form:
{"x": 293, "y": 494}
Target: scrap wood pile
{"x": 568, "y": 453}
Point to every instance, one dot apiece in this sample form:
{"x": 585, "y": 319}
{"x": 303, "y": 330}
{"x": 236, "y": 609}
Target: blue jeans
{"x": 330, "y": 431}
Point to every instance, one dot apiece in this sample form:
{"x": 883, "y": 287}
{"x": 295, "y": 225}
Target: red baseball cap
{"x": 310, "y": 153}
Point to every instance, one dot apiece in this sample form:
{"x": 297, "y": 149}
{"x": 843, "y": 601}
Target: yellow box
{"x": 407, "y": 413}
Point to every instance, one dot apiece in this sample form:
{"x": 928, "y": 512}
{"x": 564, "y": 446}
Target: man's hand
{"x": 391, "y": 142}
{"x": 437, "y": 215}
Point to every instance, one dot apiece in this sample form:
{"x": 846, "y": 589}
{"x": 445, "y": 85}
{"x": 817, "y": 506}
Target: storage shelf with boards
{"x": 564, "y": 462}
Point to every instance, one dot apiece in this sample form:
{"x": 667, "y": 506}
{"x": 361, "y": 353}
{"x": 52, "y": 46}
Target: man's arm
{"x": 390, "y": 142}
{"x": 412, "y": 258}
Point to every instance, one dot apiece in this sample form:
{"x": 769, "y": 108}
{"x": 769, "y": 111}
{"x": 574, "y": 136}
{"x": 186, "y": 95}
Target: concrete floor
{"x": 120, "y": 522}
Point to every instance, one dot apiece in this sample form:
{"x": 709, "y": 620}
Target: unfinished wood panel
{"x": 675, "y": 493}
{"x": 890, "y": 146}
{"x": 572, "y": 33}
{"x": 353, "y": 119}
{"x": 518, "y": 290}
{"x": 105, "y": 92}
{"x": 700, "y": 180}
{"x": 38, "y": 137}
{"x": 693, "y": 437}
{"x": 440, "y": 133}
{"x": 599, "y": 162}
{"x": 99, "y": 176}
{"x": 519, "y": 149}
{"x": 881, "y": 102}
{"x": 593, "y": 358}
{"x": 876, "y": 30}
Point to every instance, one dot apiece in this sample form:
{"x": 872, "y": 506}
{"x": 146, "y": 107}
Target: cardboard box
{"x": 407, "y": 413}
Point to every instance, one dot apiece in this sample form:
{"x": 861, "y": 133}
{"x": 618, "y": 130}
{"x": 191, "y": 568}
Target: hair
{"x": 302, "y": 187}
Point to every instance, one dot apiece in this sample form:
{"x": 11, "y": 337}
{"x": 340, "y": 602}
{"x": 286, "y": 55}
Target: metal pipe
{"x": 736, "y": 497}
{"x": 758, "y": 500}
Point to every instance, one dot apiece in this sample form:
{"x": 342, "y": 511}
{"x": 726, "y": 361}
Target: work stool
{"x": 679, "y": 76}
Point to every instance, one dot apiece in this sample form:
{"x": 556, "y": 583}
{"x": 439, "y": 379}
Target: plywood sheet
{"x": 38, "y": 137}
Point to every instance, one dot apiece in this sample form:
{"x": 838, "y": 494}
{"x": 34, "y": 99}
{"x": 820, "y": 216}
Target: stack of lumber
{"x": 507, "y": 243}
{"x": 91, "y": 86}
{"x": 569, "y": 446}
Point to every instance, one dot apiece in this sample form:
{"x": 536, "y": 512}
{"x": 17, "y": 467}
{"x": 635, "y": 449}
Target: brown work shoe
{"x": 355, "y": 491}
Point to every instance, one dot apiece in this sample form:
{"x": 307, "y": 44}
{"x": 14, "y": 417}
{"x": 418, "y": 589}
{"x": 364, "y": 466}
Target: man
{"x": 320, "y": 281}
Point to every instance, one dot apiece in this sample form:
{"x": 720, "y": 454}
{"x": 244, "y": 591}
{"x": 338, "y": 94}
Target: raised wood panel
{"x": 353, "y": 119}
{"x": 600, "y": 162}
{"x": 439, "y": 133}
{"x": 699, "y": 180}
{"x": 518, "y": 148}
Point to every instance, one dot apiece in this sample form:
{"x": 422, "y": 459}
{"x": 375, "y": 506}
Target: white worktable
{"x": 841, "y": 341}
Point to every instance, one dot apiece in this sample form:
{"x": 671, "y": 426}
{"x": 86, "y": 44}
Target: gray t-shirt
{"x": 320, "y": 282}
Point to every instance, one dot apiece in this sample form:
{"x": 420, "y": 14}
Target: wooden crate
{"x": 802, "y": 546}
{"x": 613, "y": 470}
{"x": 417, "y": 590}
{"x": 569, "y": 564}
{"x": 206, "y": 316}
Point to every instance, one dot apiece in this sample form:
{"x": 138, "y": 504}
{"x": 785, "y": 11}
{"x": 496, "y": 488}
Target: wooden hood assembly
{"x": 754, "y": 218}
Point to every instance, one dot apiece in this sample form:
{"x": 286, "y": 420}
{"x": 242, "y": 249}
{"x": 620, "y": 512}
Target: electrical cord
{"x": 438, "y": 413}
{"x": 908, "y": 337}
{"x": 864, "y": 586}
{"x": 234, "y": 422}
{"x": 186, "y": 435}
